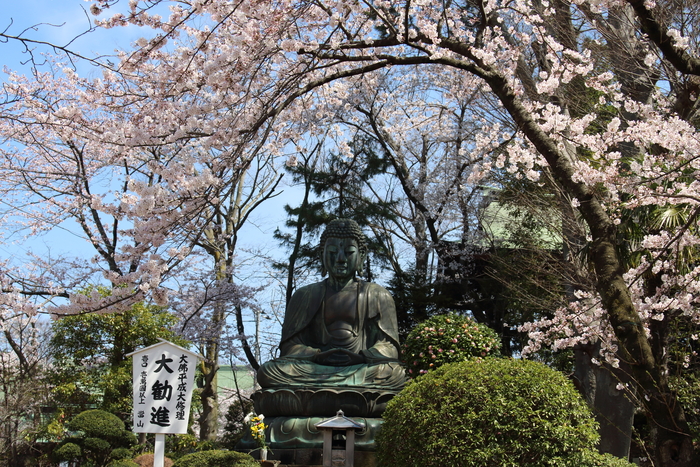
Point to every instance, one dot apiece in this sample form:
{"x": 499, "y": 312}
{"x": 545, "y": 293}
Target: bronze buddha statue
{"x": 341, "y": 331}
{"x": 339, "y": 348}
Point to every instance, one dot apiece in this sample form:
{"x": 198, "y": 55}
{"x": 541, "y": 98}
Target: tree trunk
{"x": 674, "y": 444}
{"x": 613, "y": 409}
{"x": 209, "y": 420}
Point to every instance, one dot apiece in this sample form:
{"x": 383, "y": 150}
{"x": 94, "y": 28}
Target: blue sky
{"x": 63, "y": 20}
{"x": 59, "y": 22}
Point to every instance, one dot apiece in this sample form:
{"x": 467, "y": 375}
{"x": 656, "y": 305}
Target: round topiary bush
{"x": 67, "y": 452}
{"x": 591, "y": 458}
{"x": 97, "y": 437}
{"x": 121, "y": 453}
{"x": 96, "y": 444}
{"x": 216, "y": 459}
{"x": 445, "y": 339}
{"x": 97, "y": 423}
{"x": 487, "y": 412}
{"x": 123, "y": 463}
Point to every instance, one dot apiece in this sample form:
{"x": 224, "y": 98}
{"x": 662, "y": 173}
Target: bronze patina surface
{"x": 339, "y": 349}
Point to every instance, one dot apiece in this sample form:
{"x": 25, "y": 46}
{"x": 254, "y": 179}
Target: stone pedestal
{"x": 294, "y": 433}
{"x": 314, "y": 458}
{"x": 322, "y": 402}
{"x": 291, "y": 415}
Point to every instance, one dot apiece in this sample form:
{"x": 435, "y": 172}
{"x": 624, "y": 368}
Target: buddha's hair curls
{"x": 345, "y": 228}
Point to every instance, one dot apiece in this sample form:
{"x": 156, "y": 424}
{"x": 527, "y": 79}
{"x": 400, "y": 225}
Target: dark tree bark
{"x": 674, "y": 447}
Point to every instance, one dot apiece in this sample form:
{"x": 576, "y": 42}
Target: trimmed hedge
{"x": 591, "y": 458}
{"x": 99, "y": 424}
{"x": 489, "y": 413}
{"x": 121, "y": 453}
{"x": 123, "y": 463}
{"x": 216, "y": 459}
{"x": 97, "y": 437}
{"x": 67, "y": 452}
{"x": 447, "y": 338}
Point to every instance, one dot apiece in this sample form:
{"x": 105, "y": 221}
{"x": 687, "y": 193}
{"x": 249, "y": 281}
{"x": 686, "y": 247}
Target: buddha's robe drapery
{"x": 374, "y": 335}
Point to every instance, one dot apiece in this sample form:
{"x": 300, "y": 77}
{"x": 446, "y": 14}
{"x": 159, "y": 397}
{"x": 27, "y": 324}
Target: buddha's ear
{"x": 361, "y": 262}
{"x": 321, "y": 250}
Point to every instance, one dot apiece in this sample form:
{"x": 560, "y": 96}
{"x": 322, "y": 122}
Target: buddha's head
{"x": 344, "y": 248}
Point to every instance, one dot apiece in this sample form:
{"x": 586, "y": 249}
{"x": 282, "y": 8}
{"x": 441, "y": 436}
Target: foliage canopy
{"x": 487, "y": 412}
{"x": 216, "y": 458}
{"x": 96, "y": 438}
{"x": 90, "y": 354}
{"x": 445, "y": 339}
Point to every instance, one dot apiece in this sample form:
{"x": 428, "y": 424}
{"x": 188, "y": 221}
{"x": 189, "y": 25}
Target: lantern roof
{"x": 339, "y": 422}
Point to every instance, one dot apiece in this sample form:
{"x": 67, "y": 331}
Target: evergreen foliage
{"x": 91, "y": 367}
{"x": 333, "y": 188}
{"x": 96, "y": 439}
{"x": 121, "y": 453}
{"x": 217, "y": 458}
{"x": 416, "y": 299}
{"x": 235, "y": 427}
{"x": 489, "y": 413}
{"x": 445, "y": 339}
{"x": 123, "y": 463}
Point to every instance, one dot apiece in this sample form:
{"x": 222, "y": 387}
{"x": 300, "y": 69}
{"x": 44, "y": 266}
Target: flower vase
{"x": 263, "y": 454}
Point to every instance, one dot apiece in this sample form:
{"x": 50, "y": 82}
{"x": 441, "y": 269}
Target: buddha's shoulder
{"x": 310, "y": 289}
{"x": 314, "y": 286}
{"x": 319, "y": 287}
{"x": 375, "y": 289}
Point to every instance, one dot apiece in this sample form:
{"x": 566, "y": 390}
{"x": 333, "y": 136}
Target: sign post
{"x": 163, "y": 383}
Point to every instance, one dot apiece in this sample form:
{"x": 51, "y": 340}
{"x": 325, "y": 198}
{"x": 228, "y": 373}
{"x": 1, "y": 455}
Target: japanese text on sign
{"x": 163, "y": 383}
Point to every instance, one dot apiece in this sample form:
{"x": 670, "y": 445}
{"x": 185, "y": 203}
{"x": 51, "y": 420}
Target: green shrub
{"x": 97, "y": 423}
{"x": 445, "y": 339}
{"x": 96, "y": 444}
{"x": 123, "y": 463}
{"x": 236, "y": 427}
{"x": 486, "y": 412}
{"x": 180, "y": 445}
{"x": 67, "y": 452}
{"x": 97, "y": 438}
{"x": 216, "y": 459}
{"x": 591, "y": 458}
{"x": 687, "y": 387}
{"x": 121, "y": 453}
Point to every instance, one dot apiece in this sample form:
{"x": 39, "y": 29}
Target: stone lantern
{"x": 339, "y": 440}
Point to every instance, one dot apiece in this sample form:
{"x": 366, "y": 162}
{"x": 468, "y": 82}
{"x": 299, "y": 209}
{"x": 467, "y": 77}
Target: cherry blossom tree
{"x": 222, "y": 81}
{"x": 72, "y": 154}
{"x": 207, "y": 304}
{"x": 56, "y": 168}
{"x": 404, "y": 181}
{"x": 420, "y": 130}
{"x": 283, "y": 63}
{"x": 23, "y": 358}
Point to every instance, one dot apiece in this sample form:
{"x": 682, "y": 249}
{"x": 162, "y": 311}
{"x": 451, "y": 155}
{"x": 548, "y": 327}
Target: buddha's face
{"x": 341, "y": 257}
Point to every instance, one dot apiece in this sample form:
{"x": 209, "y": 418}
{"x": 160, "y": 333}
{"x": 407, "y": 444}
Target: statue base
{"x": 322, "y": 402}
{"x": 294, "y": 433}
{"x": 314, "y": 458}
